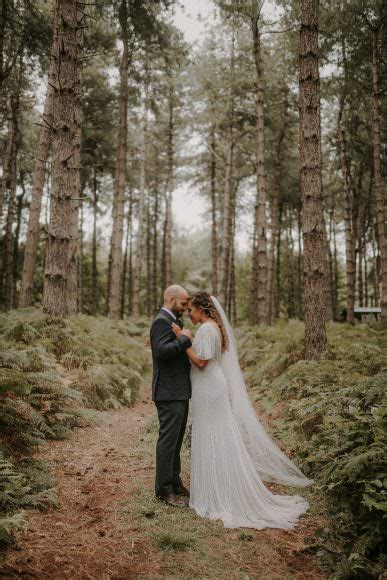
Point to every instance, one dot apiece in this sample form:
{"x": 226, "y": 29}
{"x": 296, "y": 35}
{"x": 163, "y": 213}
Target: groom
{"x": 171, "y": 391}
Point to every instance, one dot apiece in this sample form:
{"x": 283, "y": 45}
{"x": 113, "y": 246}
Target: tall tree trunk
{"x": 327, "y": 277}
{"x": 155, "y": 253}
{"x": 81, "y": 259}
{"x": 125, "y": 261}
{"x": 163, "y": 245}
{"x": 224, "y": 272}
{"x": 94, "y": 265}
{"x": 7, "y": 157}
{"x": 8, "y": 238}
{"x": 214, "y": 236}
{"x": 3, "y": 23}
{"x": 232, "y": 292}
{"x": 376, "y": 261}
{"x": 108, "y": 282}
{"x": 8, "y": 255}
{"x": 16, "y": 243}
{"x": 168, "y": 226}
{"x": 349, "y": 237}
{"x": 130, "y": 264}
{"x": 380, "y": 209}
{"x": 300, "y": 293}
{"x": 259, "y": 300}
{"x": 310, "y": 173}
{"x": 278, "y": 289}
{"x": 120, "y": 174}
{"x": 360, "y": 253}
{"x": 333, "y": 262}
{"x": 275, "y": 211}
{"x": 290, "y": 265}
{"x": 42, "y": 151}
{"x": 367, "y": 223}
{"x": 148, "y": 260}
{"x": 58, "y": 296}
{"x": 141, "y": 209}
{"x": 231, "y": 267}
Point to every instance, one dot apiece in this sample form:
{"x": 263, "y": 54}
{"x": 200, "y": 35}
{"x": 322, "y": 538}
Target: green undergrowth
{"x": 56, "y": 374}
{"x": 333, "y": 419}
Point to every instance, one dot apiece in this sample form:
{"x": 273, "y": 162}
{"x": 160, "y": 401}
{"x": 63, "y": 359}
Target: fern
{"x": 336, "y": 425}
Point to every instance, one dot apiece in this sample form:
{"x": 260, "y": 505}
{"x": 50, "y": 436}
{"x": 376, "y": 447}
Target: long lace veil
{"x": 270, "y": 462}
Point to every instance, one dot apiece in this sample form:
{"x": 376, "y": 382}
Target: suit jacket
{"x": 171, "y": 367}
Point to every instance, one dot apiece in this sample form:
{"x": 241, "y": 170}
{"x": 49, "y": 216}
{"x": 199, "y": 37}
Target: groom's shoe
{"x": 183, "y": 491}
{"x": 172, "y": 500}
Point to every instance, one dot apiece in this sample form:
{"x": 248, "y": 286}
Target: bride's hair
{"x": 203, "y": 301}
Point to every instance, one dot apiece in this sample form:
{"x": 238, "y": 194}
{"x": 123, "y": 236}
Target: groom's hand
{"x": 176, "y": 329}
{"x": 179, "y": 332}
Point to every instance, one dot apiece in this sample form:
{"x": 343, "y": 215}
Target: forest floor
{"x": 109, "y": 526}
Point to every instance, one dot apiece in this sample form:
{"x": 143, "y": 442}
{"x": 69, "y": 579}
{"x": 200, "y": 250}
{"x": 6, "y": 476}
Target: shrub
{"x": 50, "y": 369}
{"x": 336, "y": 424}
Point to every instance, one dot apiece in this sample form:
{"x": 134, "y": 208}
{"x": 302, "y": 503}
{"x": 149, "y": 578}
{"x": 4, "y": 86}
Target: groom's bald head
{"x": 176, "y": 298}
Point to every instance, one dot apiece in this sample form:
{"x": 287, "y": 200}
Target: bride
{"x": 231, "y": 453}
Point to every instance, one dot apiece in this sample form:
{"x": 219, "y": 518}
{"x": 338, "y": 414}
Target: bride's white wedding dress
{"x": 230, "y": 451}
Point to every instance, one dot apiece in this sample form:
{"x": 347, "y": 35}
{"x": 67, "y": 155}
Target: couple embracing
{"x": 231, "y": 453}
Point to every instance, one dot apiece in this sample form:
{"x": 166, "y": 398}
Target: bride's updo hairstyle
{"x": 202, "y": 300}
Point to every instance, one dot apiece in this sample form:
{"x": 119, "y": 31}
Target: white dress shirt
{"x": 169, "y": 312}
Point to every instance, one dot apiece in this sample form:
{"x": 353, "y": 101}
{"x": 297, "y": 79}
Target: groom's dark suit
{"x": 171, "y": 391}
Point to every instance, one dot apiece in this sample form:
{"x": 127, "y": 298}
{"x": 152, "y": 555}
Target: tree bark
{"x": 333, "y": 262}
{"x": 3, "y": 22}
{"x": 16, "y": 240}
{"x": 310, "y": 173}
{"x": 120, "y": 174}
{"x": 300, "y": 292}
{"x": 139, "y": 251}
{"x": 8, "y": 238}
{"x": 214, "y": 235}
{"x": 58, "y": 295}
{"x": 8, "y": 182}
{"x": 80, "y": 288}
{"x": 126, "y": 253}
{"x": 379, "y": 199}
{"x": 224, "y": 271}
{"x": 9, "y": 148}
{"x": 360, "y": 254}
{"x": 168, "y": 229}
{"x": 290, "y": 266}
{"x": 130, "y": 264}
{"x": 148, "y": 260}
{"x": 275, "y": 212}
{"x": 94, "y": 265}
{"x": 278, "y": 289}
{"x": 376, "y": 261}
{"x": 327, "y": 277}
{"x": 259, "y": 285}
{"x": 155, "y": 252}
{"x": 349, "y": 237}
{"x": 42, "y": 151}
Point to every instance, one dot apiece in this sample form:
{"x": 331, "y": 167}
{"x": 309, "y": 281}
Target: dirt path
{"x": 109, "y": 526}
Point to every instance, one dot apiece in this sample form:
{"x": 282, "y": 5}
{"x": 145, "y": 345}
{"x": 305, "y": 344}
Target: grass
{"x": 174, "y": 543}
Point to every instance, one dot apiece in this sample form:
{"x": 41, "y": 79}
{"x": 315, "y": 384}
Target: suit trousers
{"x": 173, "y": 420}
